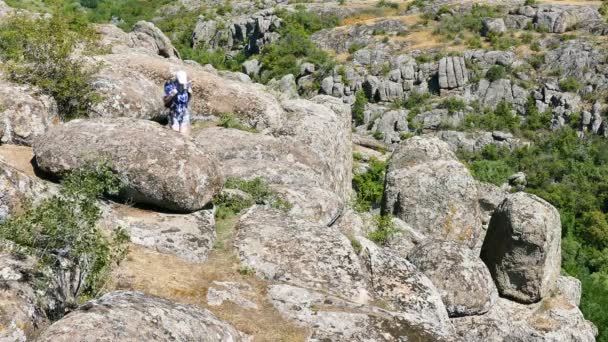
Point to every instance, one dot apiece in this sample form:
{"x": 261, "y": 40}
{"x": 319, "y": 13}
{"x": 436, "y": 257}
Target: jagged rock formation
{"x": 453, "y": 74}
{"x": 522, "y": 247}
{"x": 169, "y": 171}
{"x": 428, "y": 188}
{"x": 135, "y": 316}
{"x": 248, "y": 33}
{"x": 17, "y": 189}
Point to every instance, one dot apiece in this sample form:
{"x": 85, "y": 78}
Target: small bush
{"x": 356, "y": 245}
{"x": 62, "y": 233}
{"x": 495, "y": 72}
{"x": 415, "y": 100}
{"x": 385, "y": 228}
{"x": 502, "y": 118}
{"x": 527, "y": 38}
{"x": 354, "y": 47}
{"x": 369, "y": 186}
{"x": 453, "y": 105}
{"x": 570, "y": 84}
{"x": 41, "y": 52}
{"x": 259, "y": 191}
{"x": 378, "y": 135}
{"x": 358, "y": 108}
{"x": 229, "y": 120}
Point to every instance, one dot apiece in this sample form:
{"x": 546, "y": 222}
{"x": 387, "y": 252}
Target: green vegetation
{"x": 502, "y": 118}
{"x": 450, "y": 26}
{"x": 453, "y": 105}
{"x": 229, "y": 120}
{"x": 62, "y": 233}
{"x": 358, "y": 107}
{"x": 295, "y": 47}
{"x": 370, "y": 186}
{"x": 495, "y": 73}
{"x": 40, "y": 52}
{"x": 385, "y": 3}
{"x": 570, "y": 84}
{"x": 258, "y": 192}
{"x": 572, "y": 174}
{"x": 126, "y": 12}
{"x": 385, "y": 228}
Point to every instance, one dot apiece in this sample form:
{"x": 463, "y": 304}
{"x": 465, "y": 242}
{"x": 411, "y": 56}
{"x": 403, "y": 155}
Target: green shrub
{"x": 41, "y": 52}
{"x": 570, "y": 84}
{"x": 369, "y": 186}
{"x": 416, "y": 100}
{"x": 495, "y": 72}
{"x": 378, "y": 135}
{"x": 534, "y": 119}
{"x": 471, "y": 21}
{"x": 354, "y": 47}
{"x": 229, "y": 120}
{"x": 530, "y": 2}
{"x": 358, "y": 108}
{"x": 527, "y": 38}
{"x": 385, "y": 3}
{"x": 502, "y": 118}
{"x": 128, "y": 12}
{"x": 356, "y": 245}
{"x": 385, "y": 228}
{"x": 257, "y": 188}
{"x": 62, "y": 233}
{"x": 453, "y": 105}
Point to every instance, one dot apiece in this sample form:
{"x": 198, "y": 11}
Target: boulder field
{"x": 312, "y": 263}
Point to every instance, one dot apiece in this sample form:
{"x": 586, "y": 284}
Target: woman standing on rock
{"x": 177, "y": 96}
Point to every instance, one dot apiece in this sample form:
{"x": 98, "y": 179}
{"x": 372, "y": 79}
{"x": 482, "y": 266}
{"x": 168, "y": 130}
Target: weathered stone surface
{"x": 24, "y": 113}
{"x": 281, "y": 248}
{"x": 291, "y": 170}
{"x": 553, "y": 319}
{"x": 429, "y": 189}
{"x": 188, "y": 236}
{"x": 391, "y": 124}
{"x": 16, "y": 190}
{"x": 397, "y": 281}
{"x": 493, "y": 26}
{"x": 453, "y": 73}
{"x": 232, "y": 292}
{"x": 331, "y": 318}
{"x": 327, "y": 134}
{"x": 463, "y": 280}
{"x": 570, "y": 288}
{"x": 562, "y": 18}
{"x": 522, "y": 247}
{"x": 20, "y": 317}
{"x": 134, "y": 316}
{"x": 146, "y": 35}
{"x": 168, "y": 170}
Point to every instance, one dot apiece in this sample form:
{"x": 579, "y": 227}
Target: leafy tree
{"x": 75, "y": 256}
{"x": 370, "y": 186}
{"x": 42, "y": 52}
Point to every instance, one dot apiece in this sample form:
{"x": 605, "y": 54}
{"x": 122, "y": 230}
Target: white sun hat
{"x": 181, "y": 77}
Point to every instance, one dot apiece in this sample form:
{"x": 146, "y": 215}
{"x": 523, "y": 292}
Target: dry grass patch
{"x": 173, "y": 278}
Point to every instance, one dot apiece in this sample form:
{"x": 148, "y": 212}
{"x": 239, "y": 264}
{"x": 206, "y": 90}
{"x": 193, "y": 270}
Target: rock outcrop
{"x": 429, "y": 189}
{"x": 24, "y": 113}
{"x": 134, "y": 316}
{"x": 331, "y": 318}
{"x": 17, "y": 189}
{"x": 168, "y": 170}
{"x": 522, "y": 247}
{"x": 188, "y": 236}
{"x": 463, "y": 280}
{"x": 284, "y": 249}
{"x": 453, "y": 73}
{"x": 397, "y": 281}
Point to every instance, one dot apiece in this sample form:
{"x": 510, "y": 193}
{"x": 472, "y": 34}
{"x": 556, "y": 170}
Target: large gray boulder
{"x": 553, "y": 319}
{"x": 331, "y": 318}
{"x": 24, "y": 113}
{"x": 429, "y": 189}
{"x": 463, "y": 280}
{"x": 134, "y": 316}
{"x": 453, "y": 73}
{"x": 398, "y": 282}
{"x": 188, "y": 236}
{"x": 522, "y": 247}
{"x": 290, "y": 168}
{"x": 158, "y": 166}
{"x": 570, "y": 288}
{"x": 562, "y": 18}
{"x": 146, "y": 34}
{"x": 281, "y": 248}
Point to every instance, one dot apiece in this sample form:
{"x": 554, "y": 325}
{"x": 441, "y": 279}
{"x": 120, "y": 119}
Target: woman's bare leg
{"x": 185, "y": 129}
